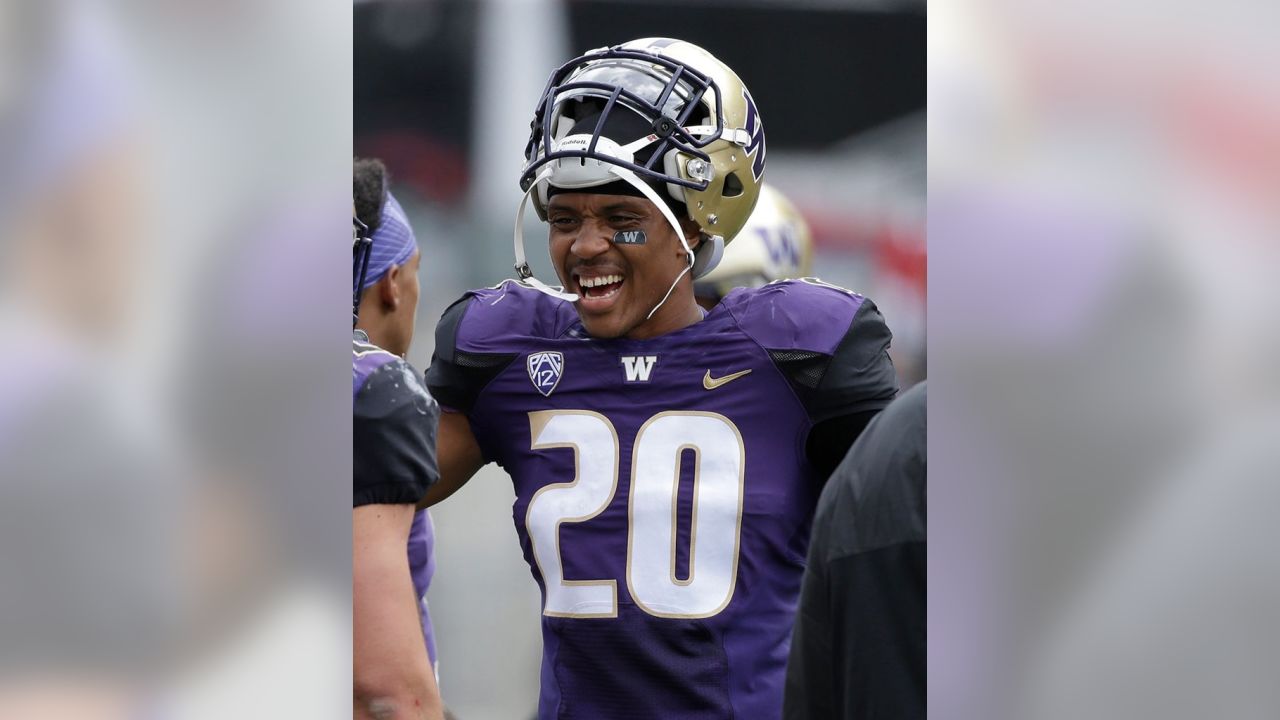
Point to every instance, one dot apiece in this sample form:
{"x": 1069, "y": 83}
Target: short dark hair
{"x": 370, "y": 189}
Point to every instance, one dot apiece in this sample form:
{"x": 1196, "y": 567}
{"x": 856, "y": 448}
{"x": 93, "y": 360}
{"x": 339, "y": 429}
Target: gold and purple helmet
{"x": 663, "y": 116}
{"x": 775, "y": 244}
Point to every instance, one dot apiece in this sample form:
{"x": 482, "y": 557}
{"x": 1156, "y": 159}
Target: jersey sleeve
{"x": 394, "y": 437}
{"x": 830, "y": 343}
{"x": 483, "y": 332}
{"x": 860, "y": 375}
{"x": 457, "y": 376}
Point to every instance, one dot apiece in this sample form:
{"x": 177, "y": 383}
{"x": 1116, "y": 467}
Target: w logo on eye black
{"x": 545, "y": 369}
{"x": 755, "y": 129}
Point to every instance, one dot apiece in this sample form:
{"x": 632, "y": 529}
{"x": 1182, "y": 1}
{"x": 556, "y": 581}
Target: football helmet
{"x": 775, "y": 244}
{"x": 663, "y": 115}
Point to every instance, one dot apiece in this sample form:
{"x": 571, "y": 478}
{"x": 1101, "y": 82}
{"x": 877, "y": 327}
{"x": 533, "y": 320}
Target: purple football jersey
{"x": 663, "y": 495}
{"x": 365, "y": 359}
{"x": 422, "y": 566}
{"x": 396, "y": 446}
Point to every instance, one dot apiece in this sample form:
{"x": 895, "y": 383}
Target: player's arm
{"x": 459, "y": 455}
{"x": 859, "y": 381}
{"x": 831, "y": 439}
{"x": 456, "y": 379}
{"x": 392, "y": 675}
{"x": 394, "y": 462}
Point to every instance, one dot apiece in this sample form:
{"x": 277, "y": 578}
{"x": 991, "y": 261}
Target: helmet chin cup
{"x": 708, "y": 255}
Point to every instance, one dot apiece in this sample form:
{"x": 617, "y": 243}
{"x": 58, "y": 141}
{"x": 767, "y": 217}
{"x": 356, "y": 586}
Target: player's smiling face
{"x": 619, "y": 284}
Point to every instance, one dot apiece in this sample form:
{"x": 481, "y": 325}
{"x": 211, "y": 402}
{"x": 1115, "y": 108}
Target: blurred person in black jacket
{"x": 858, "y": 647}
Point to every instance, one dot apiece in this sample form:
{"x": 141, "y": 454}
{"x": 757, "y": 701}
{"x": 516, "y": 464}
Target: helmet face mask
{"x": 693, "y": 134}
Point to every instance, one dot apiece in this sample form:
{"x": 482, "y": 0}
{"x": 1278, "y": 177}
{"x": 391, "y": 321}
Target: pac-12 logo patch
{"x": 545, "y": 369}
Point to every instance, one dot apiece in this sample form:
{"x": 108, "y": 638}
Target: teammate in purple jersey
{"x": 393, "y": 431}
{"x": 666, "y": 460}
{"x": 389, "y": 292}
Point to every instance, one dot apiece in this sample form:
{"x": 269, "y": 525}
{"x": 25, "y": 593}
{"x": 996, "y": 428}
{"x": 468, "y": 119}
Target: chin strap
{"x": 522, "y": 264}
{"x": 650, "y": 193}
{"x": 671, "y": 289}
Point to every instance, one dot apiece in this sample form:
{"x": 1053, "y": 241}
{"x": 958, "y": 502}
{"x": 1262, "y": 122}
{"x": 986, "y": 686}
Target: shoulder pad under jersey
{"x": 831, "y": 343}
{"x": 481, "y": 333}
{"x": 393, "y": 430}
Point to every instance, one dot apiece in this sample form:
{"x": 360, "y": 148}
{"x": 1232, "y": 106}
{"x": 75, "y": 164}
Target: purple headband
{"x": 393, "y": 241}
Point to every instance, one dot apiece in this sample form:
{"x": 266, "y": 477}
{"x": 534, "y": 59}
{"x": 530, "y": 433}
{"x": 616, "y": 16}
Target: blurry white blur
{"x": 174, "y": 531}
{"x": 444, "y": 92}
{"x": 1104, "y": 221}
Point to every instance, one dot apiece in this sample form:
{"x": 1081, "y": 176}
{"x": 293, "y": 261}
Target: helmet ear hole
{"x": 732, "y": 185}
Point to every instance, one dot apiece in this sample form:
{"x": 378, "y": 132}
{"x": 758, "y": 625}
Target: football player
{"x": 666, "y": 459}
{"x": 393, "y": 431}
{"x": 775, "y": 244}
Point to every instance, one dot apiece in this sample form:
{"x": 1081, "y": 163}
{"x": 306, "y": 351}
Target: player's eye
{"x": 563, "y": 222}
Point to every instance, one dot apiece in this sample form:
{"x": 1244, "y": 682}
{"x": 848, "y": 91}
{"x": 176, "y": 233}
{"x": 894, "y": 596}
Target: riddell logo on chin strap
{"x": 638, "y": 367}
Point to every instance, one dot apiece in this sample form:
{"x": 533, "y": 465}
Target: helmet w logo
{"x": 755, "y": 129}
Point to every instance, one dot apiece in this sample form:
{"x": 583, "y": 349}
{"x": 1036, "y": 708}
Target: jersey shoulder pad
{"x": 831, "y": 343}
{"x": 394, "y": 422}
{"x": 481, "y": 333}
{"x": 805, "y": 314}
{"x": 508, "y": 315}
{"x": 365, "y": 359}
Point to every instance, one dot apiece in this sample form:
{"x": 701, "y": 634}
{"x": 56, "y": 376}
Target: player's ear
{"x": 389, "y": 288}
{"x": 692, "y": 233}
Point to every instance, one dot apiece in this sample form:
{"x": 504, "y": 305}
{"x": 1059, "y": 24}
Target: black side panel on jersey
{"x": 456, "y": 377}
{"x": 393, "y": 438}
{"x": 858, "y": 378}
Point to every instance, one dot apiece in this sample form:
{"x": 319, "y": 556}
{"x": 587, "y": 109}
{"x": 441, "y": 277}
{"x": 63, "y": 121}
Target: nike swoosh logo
{"x": 711, "y": 383}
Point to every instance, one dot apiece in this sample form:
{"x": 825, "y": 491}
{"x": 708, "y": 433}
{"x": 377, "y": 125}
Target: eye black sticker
{"x": 629, "y": 237}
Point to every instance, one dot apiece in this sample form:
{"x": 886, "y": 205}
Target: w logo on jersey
{"x": 545, "y": 369}
{"x": 755, "y": 129}
{"x": 638, "y": 367}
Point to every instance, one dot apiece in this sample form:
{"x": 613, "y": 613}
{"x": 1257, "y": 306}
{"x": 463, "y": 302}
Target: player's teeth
{"x": 596, "y": 282}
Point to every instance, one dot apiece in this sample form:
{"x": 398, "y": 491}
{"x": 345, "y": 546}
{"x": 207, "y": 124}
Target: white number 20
{"x": 715, "y": 527}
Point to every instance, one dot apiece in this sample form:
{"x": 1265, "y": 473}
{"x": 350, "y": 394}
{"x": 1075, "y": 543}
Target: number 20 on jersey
{"x": 715, "y": 527}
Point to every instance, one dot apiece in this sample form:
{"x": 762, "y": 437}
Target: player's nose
{"x": 593, "y": 239}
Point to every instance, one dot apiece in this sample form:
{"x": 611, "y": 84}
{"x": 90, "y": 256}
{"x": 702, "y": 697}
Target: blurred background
{"x": 174, "y": 428}
{"x": 444, "y": 93}
{"x": 1104, "y": 234}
